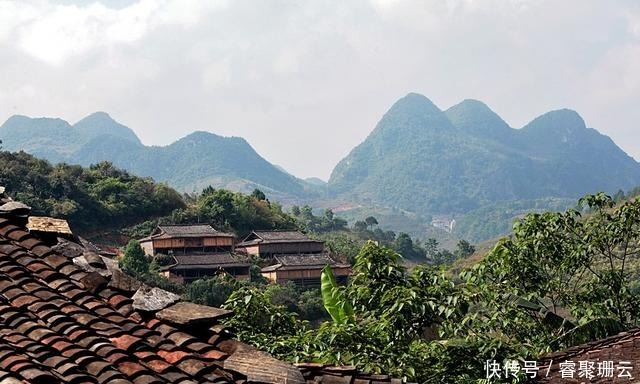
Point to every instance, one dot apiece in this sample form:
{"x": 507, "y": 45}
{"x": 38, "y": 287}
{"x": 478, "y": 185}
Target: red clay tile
{"x": 116, "y": 357}
{"x": 16, "y": 234}
{"x": 153, "y": 323}
{"x": 30, "y": 242}
{"x": 215, "y": 355}
{"x": 12, "y": 360}
{"x": 111, "y": 376}
{"x": 34, "y": 375}
{"x": 126, "y": 342}
{"x": 181, "y": 338}
{"x": 96, "y": 368}
{"x": 131, "y": 369}
{"x": 40, "y": 333}
{"x": 194, "y": 367}
{"x": 13, "y": 293}
{"x": 199, "y": 347}
{"x": 48, "y": 275}
{"x": 135, "y": 316}
{"x": 146, "y": 379}
{"x": 77, "y": 335}
{"x": 68, "y": 269}
{"x": 158, "y": 365}
{"x": 41, "y": 250}
{"x": 126, "y": 310}
{"x": 70, "y": 309}
{"x": 56, "y": 261}
{"x": 118, "y": 301}
{"x": 61, "y": 345}
{"x": 173, "y": 357}
{"x": 74, "y": 353}
{"x": 24, "y": 301}
{"x": 8, "y": 249}
{"x": 38, "y": 267}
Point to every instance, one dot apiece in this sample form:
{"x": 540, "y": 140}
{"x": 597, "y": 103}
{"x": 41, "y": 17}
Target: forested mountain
{"x": 189, "y": 164}
{"x": 465, "y": 163}
{"x": 430, "y": 161}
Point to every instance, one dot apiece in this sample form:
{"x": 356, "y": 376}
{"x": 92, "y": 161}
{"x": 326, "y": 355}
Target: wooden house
{"x": 196, "y": 251}
{"x": 304, "y": 270}
{"x": 187, "y": 268}
{"x": 184, "y": 239}
{"x": 266, "y": 244}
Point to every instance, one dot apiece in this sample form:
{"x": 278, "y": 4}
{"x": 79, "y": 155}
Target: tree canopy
{"x": 96, "y": 198}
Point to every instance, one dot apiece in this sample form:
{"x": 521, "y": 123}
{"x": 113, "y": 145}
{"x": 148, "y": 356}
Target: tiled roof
{"x": 66, "y": 316}
{"x": 303, "y": 261}
{"x": 211, "y": 260}
{"x": 280, "y": 236}
{"x": 189, "y": 230}
{"x": 623, "y": 347}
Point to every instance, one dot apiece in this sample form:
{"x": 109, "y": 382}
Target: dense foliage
{"x": 493, "y": 220}
{"x": 562, "y": 279}
{"x": 428, "y": 161}
{"x": 306, "y": 220}
{"x": 100, "y": 197}
{"x": 134, "y": 261}
{"x": 225, "y": 210}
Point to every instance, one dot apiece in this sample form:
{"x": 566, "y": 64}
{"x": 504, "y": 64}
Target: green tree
{"x": 258, "y": 194}
{"x": 431, "y": 248}
{"x": 371, "y": 222}
{"x": 360, "y": 226}
{"x": 134, "y": 261}
{"x": 404, "y": 245}
{"x": 213, "y": 291}
{"x": 464, "y": 249}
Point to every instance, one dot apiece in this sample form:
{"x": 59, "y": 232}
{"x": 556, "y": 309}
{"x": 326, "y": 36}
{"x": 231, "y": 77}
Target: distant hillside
{"x": 189, "y": 164}
{"x": 421, "y": 159}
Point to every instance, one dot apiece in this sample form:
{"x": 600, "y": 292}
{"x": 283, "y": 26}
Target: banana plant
{"x": 334, "y": 299}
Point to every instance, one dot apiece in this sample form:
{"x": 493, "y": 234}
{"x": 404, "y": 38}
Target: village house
{"x": 266, "y": 244}
{"x": 70, "y": 315}
{"x": 305, "y": 270}
{"x": 194, "y": 252}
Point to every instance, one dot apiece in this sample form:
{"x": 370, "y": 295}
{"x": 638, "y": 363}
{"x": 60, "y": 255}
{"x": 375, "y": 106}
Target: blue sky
{"x": 305, "y": 81}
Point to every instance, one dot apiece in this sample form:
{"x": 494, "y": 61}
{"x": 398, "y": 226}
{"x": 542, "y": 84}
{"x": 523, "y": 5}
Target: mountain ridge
{"x": 462, "y": 161}
{"x": 457, "y": 160}
{"x": 189, "y": 164}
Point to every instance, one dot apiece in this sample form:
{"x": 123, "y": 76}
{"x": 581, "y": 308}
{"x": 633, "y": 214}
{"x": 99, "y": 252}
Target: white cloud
{"x": 217, "y": 74}
{"x": 314, "y": 77}
{"x": 53, "y": 33}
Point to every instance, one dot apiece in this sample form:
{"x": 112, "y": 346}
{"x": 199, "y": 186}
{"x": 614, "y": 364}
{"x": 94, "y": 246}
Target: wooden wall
{"x": 284, "y": 248}
{"x": 281, "y": 276}
{"x": 193, "y": 242}
{"x": 147, "y": 247}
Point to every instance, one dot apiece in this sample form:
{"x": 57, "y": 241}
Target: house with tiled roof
{"x": 304, "y": 269}
{"x": 615, "y": 359}
{"x": 70, "y": 315}
{"x": 267, "y": 244}
{"x": 186, "y": 268}
{"x": 195, "y": 251}
{"x": 187, "y": 238}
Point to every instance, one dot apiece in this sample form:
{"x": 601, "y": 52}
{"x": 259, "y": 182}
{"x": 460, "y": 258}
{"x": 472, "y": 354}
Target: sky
{"x": 305, "y": 81}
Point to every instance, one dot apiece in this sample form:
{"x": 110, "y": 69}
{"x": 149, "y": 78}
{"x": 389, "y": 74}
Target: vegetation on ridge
{"x": 562, "y": 279}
